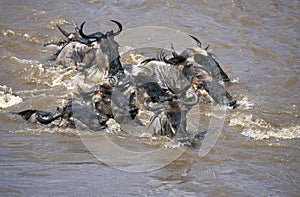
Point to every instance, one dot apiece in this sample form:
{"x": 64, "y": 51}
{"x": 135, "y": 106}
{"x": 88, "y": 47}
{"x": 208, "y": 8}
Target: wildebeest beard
{"x": 173, "y": 112}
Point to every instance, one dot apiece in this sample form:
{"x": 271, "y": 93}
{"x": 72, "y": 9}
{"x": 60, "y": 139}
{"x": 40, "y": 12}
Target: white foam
{"x": 235, "y": 80}
{"x": 284, "y": 133}
{"x": 8, "y": 33}
{"x": 36, "y": 130}
{"x": 245, "y": 103}
{"x": 25, "y": 61}
{"x": 113, "y": 126}
{"x": 53, "y": 76}
{"x": 7, "y": 99}
{"x": 26, "y": 36}
{"x": 62, "y": 77}
{"x": 260, "y": 129}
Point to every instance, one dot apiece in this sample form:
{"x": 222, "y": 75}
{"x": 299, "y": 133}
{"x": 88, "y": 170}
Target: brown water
{"x": 256, "y": 42}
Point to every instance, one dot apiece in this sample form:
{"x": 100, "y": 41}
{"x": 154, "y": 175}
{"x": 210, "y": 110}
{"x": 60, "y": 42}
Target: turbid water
{"x": 256, "y": 42}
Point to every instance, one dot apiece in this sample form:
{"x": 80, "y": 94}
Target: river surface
{"x": 257, "y": 154}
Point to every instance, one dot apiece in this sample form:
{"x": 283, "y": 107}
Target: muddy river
{"x": 257, "y": 152}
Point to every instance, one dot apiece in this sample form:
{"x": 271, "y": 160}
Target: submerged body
{"x": 61, "y": 118}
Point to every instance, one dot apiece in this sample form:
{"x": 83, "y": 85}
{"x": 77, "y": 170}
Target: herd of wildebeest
{"x": 166, "y": 87}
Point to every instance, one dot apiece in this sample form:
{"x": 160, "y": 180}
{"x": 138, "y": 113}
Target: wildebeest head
{"x": 169, "y": 97}
{"x": 203, "y": 71}
{"x": 214, "y": 89}
{"x": 109, "y": 48}
{"x": 200, "y": 56}
{"x": 92, "y": 53}
{"x": 206, "y": 60}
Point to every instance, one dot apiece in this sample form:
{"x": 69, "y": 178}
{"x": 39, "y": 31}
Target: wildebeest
{"x": 107, "y": 54}
{"x": 108, "y": 102}
{"x": 92, "y": 54}
{"x": 98, "y": 99}
{"x": 169, "y": 96}
{"x": 62, "y": 116}
{"x": 201, "y": 70}
{"x": 172, "y": 80}
{"x": 72, "y": 49}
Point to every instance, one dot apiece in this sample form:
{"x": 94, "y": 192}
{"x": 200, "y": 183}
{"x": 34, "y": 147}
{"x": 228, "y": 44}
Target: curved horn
{"x": 194, "y": 101}
{"x": 40, "y": 116}
{"x": 156, "y": 108}
{"x": 196, "y": 39}
{"x": 119, "y": 26}
{"x": 63, "y": 31}
{"x": 81, "y": 31}
{"x": 97, "y": 35}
